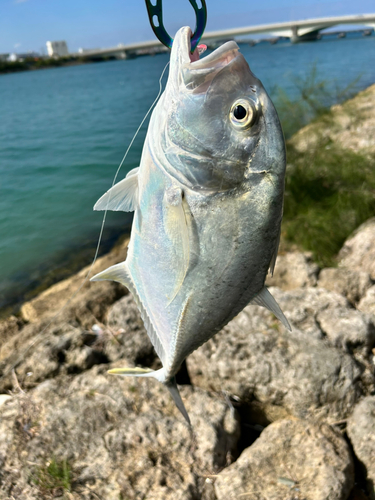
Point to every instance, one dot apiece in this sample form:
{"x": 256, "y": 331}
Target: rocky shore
{"x": 276, "y": 415}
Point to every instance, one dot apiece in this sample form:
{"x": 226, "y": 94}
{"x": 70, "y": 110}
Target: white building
{"x": 59, "y": 49}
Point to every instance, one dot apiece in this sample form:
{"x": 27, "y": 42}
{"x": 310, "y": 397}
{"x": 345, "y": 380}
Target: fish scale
{"x": 207, "y": 198}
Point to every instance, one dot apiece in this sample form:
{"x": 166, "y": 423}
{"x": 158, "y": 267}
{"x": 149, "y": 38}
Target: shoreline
{"x": 62, "y": 267}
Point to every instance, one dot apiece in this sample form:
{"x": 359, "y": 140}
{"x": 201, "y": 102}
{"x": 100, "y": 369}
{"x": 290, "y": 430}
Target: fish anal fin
{"x": 121, "y": 274}
{"x": 123, "y": 196}
{"x": 265, "y": 299}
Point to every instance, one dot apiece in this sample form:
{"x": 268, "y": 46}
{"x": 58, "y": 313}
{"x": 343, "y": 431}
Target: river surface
{"x": 64, "y": 131}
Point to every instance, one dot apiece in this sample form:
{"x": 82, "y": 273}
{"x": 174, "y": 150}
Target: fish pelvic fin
{"x": 265, "y": 299}
{"x": 121, "y": 274}
{"x": 139, "y": 372}
{"x": 123, "y": 196}
{"x": 175, "y": 393}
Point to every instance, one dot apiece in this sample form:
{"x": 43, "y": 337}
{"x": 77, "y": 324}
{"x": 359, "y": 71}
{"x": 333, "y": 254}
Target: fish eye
{"x": 243, "y": 113}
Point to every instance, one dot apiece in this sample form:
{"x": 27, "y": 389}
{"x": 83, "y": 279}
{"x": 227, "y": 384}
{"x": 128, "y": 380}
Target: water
{"x": 63, "y": 133}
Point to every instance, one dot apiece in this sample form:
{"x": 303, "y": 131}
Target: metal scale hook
{"x": 155, "y": 14}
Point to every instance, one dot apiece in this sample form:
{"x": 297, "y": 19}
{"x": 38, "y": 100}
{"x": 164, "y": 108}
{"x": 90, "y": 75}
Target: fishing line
{"x": 38, "y": 337}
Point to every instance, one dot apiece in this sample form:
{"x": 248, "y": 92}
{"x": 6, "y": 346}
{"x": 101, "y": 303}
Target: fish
{"x": 207, "y": 200}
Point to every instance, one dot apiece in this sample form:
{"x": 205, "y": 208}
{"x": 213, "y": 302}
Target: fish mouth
{"x": 196, "y": 73}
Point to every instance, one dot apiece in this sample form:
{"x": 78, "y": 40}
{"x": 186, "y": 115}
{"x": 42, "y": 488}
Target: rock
{"x": 135, "y": 345}
{"x": 122, "y": 438}
{"x": 358, "y": 252}
{"x": 348, "y": 329}
{"x": 294, "y": 270}
{"x": 291, "y": 459}
{"x": 301, "y": 306}
{"x": 8, "y": 327}
{"x": 350, "y": 125}
{"x": 76, "y": 298}
{"x": 361, "y": 432}
{"x": 255, "y": 357}
{"x": 352, "y": 284}
{"x": 367, "y": 303}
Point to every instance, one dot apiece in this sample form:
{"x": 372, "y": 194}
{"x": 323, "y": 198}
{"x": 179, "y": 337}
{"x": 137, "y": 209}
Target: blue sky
{"x": 27, "y": 24}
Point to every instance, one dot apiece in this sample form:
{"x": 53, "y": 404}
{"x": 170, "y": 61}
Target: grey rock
{"x": 120, "y": 436}
{"x": 358, "y": 252}
{"x": 255, "y": 357}
{"x": 352, "y": 284}
{"x": 68, "y": 348}
{"x": 348, "y": 329}
{"x": 135, "y": 346}
{"x": 291, "y": 459}
{"x": 367, "y": 303}
{"x": 361, "y": 431}
{"x": 294, "y": 270}
{"x": 301, "y": 306}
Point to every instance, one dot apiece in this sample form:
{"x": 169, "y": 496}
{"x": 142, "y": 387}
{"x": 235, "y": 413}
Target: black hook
{"x": 155, "y": 12}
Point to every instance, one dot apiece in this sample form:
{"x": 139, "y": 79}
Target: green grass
{"x": 313, "y": 98}
{"x": 329, "y": 192}
{"x": 55, "y": 475}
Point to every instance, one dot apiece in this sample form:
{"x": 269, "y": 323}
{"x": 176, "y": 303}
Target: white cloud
{"x": 16, "y": 45}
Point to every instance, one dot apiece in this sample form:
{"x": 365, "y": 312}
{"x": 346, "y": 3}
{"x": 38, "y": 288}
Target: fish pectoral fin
{"x": 175, "y": 393}
{"x": 121, "y": 274}
{"x": 265, "y": 299}
{"x": 123, "y": 196}
{"x": 177, "y": 230}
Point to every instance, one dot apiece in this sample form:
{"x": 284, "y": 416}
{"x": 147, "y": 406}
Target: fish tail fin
{"x": 160, "y": 376}
{"x": 175, "y": 393}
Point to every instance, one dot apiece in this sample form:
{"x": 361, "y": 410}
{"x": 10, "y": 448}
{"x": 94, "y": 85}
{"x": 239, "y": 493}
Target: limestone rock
{"x": 348, "y": 329}
{"x": 80, "y": 299}
{"x": 294, "y": 270}
{"x": 361, "y": 431}
{"x": 358, "y": 252}
{"x": 291, "y": 459}
{"x": 255, "y": 357}
{"x": 122, "y": 438}
{"x": 352, "y": 284}
{"x": 367, "y": 303}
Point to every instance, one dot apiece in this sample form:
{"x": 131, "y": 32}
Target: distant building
{"x": 59, "y": 49}
{"x": 21, "y": 57}
{"x": 4, "y": 57}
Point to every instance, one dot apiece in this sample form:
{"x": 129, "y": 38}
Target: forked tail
{"x": 160, "y": 376}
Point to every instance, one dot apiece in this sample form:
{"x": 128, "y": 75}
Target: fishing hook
{"x": 155, "y": 14}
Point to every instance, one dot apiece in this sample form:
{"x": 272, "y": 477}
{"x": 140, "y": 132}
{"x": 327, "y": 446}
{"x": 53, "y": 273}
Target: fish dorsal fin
{"x": 123, "y": 196}
{"x": 177, "y": 230}
{"x": 265, "y": 299}
{"x": 121, "y": 274}
{"x": 274, "y": 256}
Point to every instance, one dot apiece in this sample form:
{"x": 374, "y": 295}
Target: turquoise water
{"x": 63, "y": 133}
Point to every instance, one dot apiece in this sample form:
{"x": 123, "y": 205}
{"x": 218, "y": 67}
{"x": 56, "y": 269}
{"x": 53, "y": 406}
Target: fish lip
{"x": 218, "y": 59}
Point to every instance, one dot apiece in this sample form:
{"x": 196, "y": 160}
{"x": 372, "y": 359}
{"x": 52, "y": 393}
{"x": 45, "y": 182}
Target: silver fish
{"x": 207, "y": 198}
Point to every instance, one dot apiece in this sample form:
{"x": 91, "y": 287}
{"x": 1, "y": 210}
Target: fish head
{"x": 216, "y": 125}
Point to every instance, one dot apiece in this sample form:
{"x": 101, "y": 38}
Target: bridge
{"x": 306, "y": 29}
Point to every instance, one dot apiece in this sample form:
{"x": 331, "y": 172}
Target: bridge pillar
{"x": 307, "y": 37}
